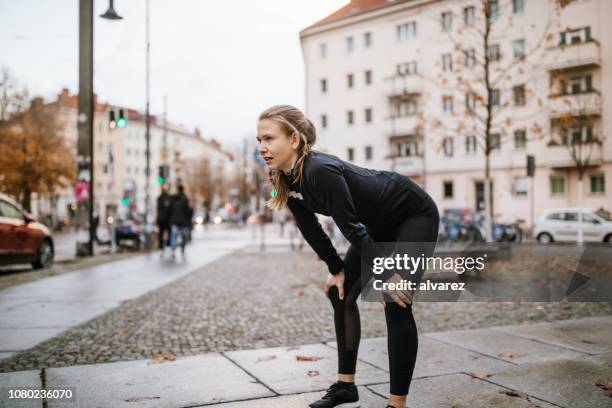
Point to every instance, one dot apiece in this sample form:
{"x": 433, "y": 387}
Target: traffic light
{"x": 530, "y": 165}
{"x": 122, "y": 121}
{"x": 111, "y": 119}
{"x": 163, "y": 174}
{"x": 126, "y": 201}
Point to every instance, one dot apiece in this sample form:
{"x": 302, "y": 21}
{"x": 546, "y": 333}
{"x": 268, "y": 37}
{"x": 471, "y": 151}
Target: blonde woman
{"x": 368, "y": 206}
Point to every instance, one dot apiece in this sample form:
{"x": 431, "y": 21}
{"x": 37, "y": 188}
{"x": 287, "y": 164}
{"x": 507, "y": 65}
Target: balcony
{"x": 564, "y": 156}
{"x": 406, "y": 154}
{"x": 407, "y": 165}
{"x": 404, "y": 125}
{"x": 582, "y": 104}
{"x": 580, "y": 55}
{"x": 403, "y": 86}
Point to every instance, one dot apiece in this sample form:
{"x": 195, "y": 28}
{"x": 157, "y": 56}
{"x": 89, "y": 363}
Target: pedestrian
{"x": 369, "y": 206}
{"x": 163, "y": 218}
{"x": 180, "y": 219}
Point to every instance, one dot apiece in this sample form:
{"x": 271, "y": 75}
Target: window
{"x": 9, "y": 211}
{"x": 407, "y": 68}
{"x": 367, "y": 39}
{"x": 556, "y": 216}
{"x": 470, "y": 57}
{"x": 349, "y": 117}
{"x": 578, "y": 135}
{"x": 470, "y": 101}
{"x": 494, "y": 54}
{"x": 469, "y": 16}
{"x": 447, "y": 146}
{"x": 324, "y": 85}
{"x": 494, "y": 141}
{"x": 519, "y": 95}
{"x": 494, "y": 97}
{"x": 349, "y": 44}
{"x": 406, "y": 31}
{"x": 447, "y": 21}
{"x": 518, "y": 49}
{"x": 598, "y": 183}
{"x": 447, "y": 62}
{"x": 368, "y": 115}
{"x": 493, "y": 9}
{"x": 368, "y": 152}
{"x": 408, "y": 148}
{"x": 448, "y": 189}
{"x": 447, "y": 103}
{"x": 349, "y": 80}
{"x": 579, "y": 84}
{"x": 323, "y": 50}
{"x": 350, "y": 154}
{"x": 520, "y": 139}
{"x": 576, "y": 36}
{"x": 368, "y": 77}
{"x": 520, "y": 186}
{"x": 470, "y": 144}
{"x": 518, "y": 6}
{"x": 406, "y": 107}
{"x": 324, "y": 121}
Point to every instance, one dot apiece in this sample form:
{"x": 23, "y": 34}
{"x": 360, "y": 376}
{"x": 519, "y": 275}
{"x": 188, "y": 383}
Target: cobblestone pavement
{"x": 248, "y": 300}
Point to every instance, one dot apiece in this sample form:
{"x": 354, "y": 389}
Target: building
{"x": 399, "y": 85}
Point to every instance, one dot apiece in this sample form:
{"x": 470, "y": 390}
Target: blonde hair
{"x": 292, "y": 121}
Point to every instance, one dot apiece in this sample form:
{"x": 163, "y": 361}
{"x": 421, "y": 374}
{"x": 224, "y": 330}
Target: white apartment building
{"x": 120, "y": 159}
{"x": 390, "y": 85}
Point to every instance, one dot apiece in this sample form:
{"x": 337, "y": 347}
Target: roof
{"x": 355, "y": 7}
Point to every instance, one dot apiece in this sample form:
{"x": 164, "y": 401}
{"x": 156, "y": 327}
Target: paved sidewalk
{"x": 551, "y": 364}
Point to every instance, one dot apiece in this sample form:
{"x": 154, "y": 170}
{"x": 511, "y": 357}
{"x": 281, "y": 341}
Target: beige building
{"x": 400, "y": 85}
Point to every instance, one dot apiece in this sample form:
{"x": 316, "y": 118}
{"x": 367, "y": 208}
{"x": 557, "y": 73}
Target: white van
{"x": 561, "y": 225}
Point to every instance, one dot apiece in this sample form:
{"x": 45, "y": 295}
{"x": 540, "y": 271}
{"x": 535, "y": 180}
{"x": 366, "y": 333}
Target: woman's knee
{"x": 395, "y": 312}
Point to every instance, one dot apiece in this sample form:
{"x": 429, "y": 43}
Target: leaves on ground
{"x": 313, "y": 373}
{"x": 161, "y": 357}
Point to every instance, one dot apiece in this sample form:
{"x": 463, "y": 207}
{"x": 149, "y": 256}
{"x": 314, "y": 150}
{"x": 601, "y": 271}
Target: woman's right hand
{"x": 335, "y": 280}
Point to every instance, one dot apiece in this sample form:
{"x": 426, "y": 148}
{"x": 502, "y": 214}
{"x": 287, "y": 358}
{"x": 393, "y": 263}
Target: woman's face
{"x": 277, "y": 149}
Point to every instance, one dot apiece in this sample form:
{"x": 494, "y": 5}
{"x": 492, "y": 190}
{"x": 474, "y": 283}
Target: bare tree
{"x": 12, "y": 98}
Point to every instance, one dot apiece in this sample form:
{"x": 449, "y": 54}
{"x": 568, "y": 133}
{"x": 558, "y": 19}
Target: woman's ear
{"x": 295, "y": 140}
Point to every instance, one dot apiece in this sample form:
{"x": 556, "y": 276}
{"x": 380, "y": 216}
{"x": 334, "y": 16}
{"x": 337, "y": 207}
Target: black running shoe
{"x": 339, "y": 396}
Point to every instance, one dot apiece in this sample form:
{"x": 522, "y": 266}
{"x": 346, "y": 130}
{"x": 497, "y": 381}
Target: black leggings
{"x": 402, "y": 337}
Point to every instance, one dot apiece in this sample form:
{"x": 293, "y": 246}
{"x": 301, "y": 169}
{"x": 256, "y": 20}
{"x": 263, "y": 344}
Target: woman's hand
{"x": 335, "y": 280}
{"x": 401, "y": 297}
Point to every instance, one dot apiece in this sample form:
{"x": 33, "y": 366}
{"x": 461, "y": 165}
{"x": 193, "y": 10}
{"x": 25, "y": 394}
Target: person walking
{"x": 163, "y": 218}
{"x": 368, "y": 206}
{"x": 180, "y": 220}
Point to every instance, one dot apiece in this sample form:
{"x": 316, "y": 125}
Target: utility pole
{"x": 148, "y": 226}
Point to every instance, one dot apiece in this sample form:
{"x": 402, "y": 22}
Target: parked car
{"x": 22, "y": 238}
{"x": 561, "y": 225}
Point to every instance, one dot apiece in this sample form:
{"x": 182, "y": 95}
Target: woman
{"x": 368, "y": 206}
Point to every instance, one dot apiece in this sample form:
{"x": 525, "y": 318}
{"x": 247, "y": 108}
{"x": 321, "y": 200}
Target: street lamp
{"x": 111, "y": 14}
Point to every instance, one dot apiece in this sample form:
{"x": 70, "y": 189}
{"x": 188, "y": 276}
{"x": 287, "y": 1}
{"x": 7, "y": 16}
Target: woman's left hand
{"x": 401, "y": 297}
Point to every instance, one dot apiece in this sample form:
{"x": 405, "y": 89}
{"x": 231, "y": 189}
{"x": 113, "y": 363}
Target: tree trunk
{"x": 580, "y": 238}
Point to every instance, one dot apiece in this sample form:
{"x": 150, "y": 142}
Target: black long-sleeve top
{"x": 358, "y": 199}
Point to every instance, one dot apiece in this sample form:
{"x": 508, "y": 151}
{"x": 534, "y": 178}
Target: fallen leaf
{"x": 480, "y": 376}
{"x": 165, "y": 356}
{"x": 313, "y": 373}
{"x": 307, "y": 358}
{"x": 138, "y": 399}
{"x": 514, "y": 393}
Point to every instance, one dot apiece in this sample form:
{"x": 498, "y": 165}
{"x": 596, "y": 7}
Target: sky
{"x": 220, "y": 63}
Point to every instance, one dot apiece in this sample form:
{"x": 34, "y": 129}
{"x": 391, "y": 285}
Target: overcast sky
{"x": 219, "y": 62}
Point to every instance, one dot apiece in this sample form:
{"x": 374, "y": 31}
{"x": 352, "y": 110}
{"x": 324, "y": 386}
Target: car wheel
{"x": 545, "y": 238}
{"x": 608, "y": 239}
{"x": 44, "y": 257}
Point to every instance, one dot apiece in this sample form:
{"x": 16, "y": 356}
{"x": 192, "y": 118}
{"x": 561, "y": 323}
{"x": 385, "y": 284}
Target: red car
{"x": 22, "y": 239}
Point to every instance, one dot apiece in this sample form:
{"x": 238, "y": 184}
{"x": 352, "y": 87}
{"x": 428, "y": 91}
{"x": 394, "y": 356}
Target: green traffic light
{"x": 161, "y": 180}
{"x": 126, "y": 201}
{"x": 121, "y": 123}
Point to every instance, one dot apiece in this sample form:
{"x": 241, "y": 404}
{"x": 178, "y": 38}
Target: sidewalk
{"x": 554, "y": 364}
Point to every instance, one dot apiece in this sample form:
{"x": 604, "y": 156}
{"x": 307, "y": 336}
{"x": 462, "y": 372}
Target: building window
{"x": 406, "y": 107}
{"x": 470, "y": 57}
{"x": 578, "y": 135}
{"x": 368, "y": 77}
{"x": 470, "y": 144}
{"x": 494, "y": 141}
{"x": 350, "y": 154}
{"x": 447, "y": 21}
{"x": 447, "y": 62}
{"x": 349, "y": 80}
{"x": 368, "y": 152}
{"x": 598, "y": 183}
{"x": 349, "y": 117}
{"x": 578, "y": 84}
{"x": 447, "y": 103}
{"x": 520, "y": 186}
{"x": 494, "y": 97}
{"x": 447, "y": 146}
{"x": 519, "y": 95}
{"x": 350, "y": 45}
{"x": 469, "y": 16}
{"x": 470, "y": 101}
{"x": 324, "y": 121}
{"x": 323, "y": 50}
{"x": 324, "y": 85}
{"x": 576, "y": 36}
{"x": 367, "y": 39}
{"x": 408, "y": 148}
{"x": 518, "y": 49}
{"x": 493, "y": 9}
{"x": 407, "y": 68}
{"x": 406, "y": 31}
{"x": 448, "y": 189}
{"x": 368, "y": 115}
{"x": 520, "y": 139}
{"x": 557, "y": 185}
{"x": 494, "y": 54}
{"x": 518, "y": 6}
